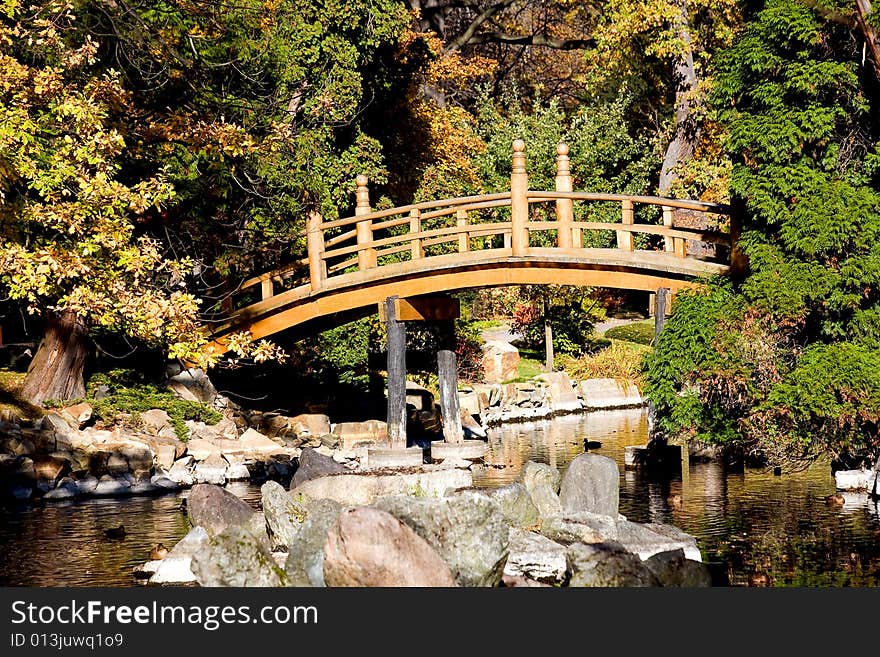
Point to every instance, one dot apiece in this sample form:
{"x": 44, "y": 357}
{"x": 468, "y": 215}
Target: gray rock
{"x": 65, "y": 490}
{"x": 363, "y": 489}
{"x": 211, "y": 471}
{"x": 592, "y": 484}
{"x": 164, "y": 482}
{"x": 606, "y": 564}
{"x": 175, "y": 567}
{"x": 155, "y": 420}
{"x": 284, "y": 514}
{"x": 516, "y": 505}
{"x": 536, "y": 557}
{"x": 181, "y": 471}
{"x": 236, "y": 557}
{"x": 86, "y": 485}
{"x": 369, "y": 547}
{"x": 193, "y": 385}
{"x": 672, "y": 568}
{"x": 650, "y": 539}
{"x": 313, "y": 465}
{"x": 305, "y": 557}
{"x": 112, "y": 487}
{"x": 580, "y": 528}
{"x": 215, "y": 509}
{"x": 468, "y": 530}
{"x": 542, "y": 483}
{"x": 238, "y": 472}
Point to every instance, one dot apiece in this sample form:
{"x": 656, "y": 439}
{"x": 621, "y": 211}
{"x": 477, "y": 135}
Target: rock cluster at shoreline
{"x": 431, "y": 529}
{"x": 63, "y": 456}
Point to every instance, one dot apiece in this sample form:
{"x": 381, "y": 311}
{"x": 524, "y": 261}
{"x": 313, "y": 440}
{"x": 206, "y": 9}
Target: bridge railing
{"x": 505, "y": 222}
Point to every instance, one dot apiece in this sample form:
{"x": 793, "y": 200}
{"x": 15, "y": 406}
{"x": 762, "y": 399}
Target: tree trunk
{"x": 56, "y": 371}
{"x": 687, "y": 129}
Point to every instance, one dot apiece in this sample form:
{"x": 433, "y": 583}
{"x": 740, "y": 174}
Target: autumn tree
{"x": 71, "y": 246}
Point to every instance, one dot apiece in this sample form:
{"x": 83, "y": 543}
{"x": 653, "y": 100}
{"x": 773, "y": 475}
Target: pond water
{"x": 753, "y": 528}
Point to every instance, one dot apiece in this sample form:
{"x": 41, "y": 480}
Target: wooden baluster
{"x": 519, "y": 201}
{"x": 415, "y": 226}
{"x": 680, "y": 247}
{"x": 366, "y": 255}
{"x": 464, "y": 239}
{"x": 566, "y": 235}
{"x": 267, "y": 288}
{"x": 315, "y": 239}
{"x": 625, "y": 238}
{"x": 667, "y": 221}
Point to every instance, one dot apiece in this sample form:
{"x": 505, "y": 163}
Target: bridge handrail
{"x": 365, "y": 223}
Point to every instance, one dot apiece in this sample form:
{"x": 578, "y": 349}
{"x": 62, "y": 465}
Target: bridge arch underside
{"x": 356, "y": 294}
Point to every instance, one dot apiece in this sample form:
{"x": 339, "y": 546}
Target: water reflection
{"x": 755, "y": 528}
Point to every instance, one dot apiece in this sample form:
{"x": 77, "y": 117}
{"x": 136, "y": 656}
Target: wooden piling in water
{"x": 396, "y": 366}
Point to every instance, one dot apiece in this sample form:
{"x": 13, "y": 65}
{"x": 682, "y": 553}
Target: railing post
{"x": 667, "y": 222}
{"x": 566, "y": 235}
{"x": 415, "y": 226}
{"x": 267, "y": 289}
{"x": 315, "y": 241}
{"x": 625, "y": 238}
{"x": 464, "y": 239}
{"x": 519, "y": 201}
{"x": 366, "y": 256}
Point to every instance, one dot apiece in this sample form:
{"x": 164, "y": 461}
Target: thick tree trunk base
{"x": 56, "y": 371}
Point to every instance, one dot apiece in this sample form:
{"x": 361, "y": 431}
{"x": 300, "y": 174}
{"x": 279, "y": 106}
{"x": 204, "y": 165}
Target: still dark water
{"x": 756, "y": 529}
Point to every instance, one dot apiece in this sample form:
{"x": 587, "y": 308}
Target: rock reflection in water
{"x": 755, "y": 528}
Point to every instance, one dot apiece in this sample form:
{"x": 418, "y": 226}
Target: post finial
{"x": 362, "y": 195}
{"x": 562, "y": 160}
{"x": 519, "y": 157}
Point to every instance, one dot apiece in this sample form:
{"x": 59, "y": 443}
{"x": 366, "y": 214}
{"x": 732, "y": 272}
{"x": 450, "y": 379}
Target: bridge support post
{"x": 566, "y": 235}
{"x": 661, "y": 299}
{"x": 519, "y": 201}
{"x": 396, "y": 375}
{"x": 447, "y": 370}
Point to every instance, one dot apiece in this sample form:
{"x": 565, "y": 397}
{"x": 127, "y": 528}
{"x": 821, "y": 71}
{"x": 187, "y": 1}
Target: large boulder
{"x": 253, "y": 441}
{"x": 601, "y": 394}
{"x": 468, "y": 530}
{"x": 650, "y": 539}
{"x": 605, "y": 565}
{"x": 562, "y": 394}
{"x": 516, "y": 505}
{"x": 500, "y": 361}
{"x": 235, "y": 557}
{"x": 284, "y": 514}
{"x": 214, "y": 509}
{"x": 674, "y": 569}
{"x": 305, "y": 556}
{"x": 175, "y": 568}
{"x": 536, "y": 557}
{"x": 369, "y": 547}
{"x": 363, "y": 489}
{"x": 310, "y": 424}
{"x": 312, "y": 465}
{"x": 542, "y": 483}
{"x": 592, "y": 484}
{"x": 358, "y": 434}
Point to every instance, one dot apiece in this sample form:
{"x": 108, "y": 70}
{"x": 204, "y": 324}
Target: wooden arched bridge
{"x": 509, "y": 238}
